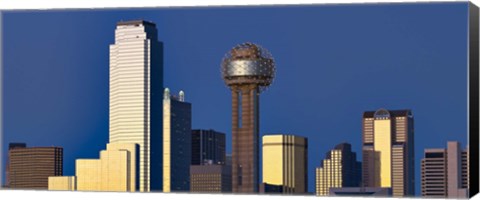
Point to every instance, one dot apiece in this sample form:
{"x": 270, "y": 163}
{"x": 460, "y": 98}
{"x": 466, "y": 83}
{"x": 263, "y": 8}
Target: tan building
{"x": 116, "y": 170}
{"x": 30, "y": 167}
{"x": 339, "y": 169}
{"x": 212, "y": 178}
{"x": 65, "y": 183}
{"x": 444, "y": 172}
{"x": 285, "y": 162}
{"x": 388, "y": 151}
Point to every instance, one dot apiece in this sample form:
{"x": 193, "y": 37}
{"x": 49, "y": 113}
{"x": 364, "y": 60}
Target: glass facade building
{"x": 388, "y": 151}
{"x": 177, "y": 142}
{"x": 285, "y": 161}
{"x": 136, "y": 91}
{"x": 339, "y": 169}
{"x": 208, "y": 146}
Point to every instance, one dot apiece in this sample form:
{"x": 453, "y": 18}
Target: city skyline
{"x": 272, "y": 124}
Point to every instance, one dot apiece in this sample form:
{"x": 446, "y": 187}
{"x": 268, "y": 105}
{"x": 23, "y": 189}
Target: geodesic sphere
{"x": 248, "y": 63}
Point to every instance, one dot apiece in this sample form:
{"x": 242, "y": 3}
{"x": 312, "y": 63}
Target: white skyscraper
{"x": 136, "y": 93}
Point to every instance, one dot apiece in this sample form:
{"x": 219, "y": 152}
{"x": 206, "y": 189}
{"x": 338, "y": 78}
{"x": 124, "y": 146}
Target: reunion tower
{"x": 247, "y": 69}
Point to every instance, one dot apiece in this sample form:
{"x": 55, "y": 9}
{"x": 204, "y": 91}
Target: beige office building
{"x": 136, "y": 75}
{"x": 114, "y": 171}
{"x": 65, "y": 183}
{"x": 285, "y": 162}
{"x": 445, "y": 172}
{"x": 388, "y": 151}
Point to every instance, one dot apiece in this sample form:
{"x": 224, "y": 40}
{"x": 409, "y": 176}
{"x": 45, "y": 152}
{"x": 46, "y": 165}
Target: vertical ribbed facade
{"x": 444, "y": 172}
{"x": 388, "y": 151}
{"x": 208, "y": 146}
{"x": 62, "y": 183}
{"x": 339, "y": 169}
{"x": 30, "y": 167}
{"x": 285, "y": 161}
{"x": 177, "y": 142}
{"x": 245, "y": 117}
{"x": 136, "y": 90}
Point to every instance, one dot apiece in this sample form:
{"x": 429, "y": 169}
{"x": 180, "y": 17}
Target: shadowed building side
{"x": 339, "y": 169}
{"x": 136, "y": 91}
{"x": 177, "y": 142}
{"x": 208, "y": 146}
{"x": 30, "y": 167}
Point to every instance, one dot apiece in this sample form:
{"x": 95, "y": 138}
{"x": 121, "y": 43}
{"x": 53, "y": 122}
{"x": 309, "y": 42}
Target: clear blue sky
{"x": 333, "y": 63}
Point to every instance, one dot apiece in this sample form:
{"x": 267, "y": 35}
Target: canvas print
{"x": 313, "y": 100}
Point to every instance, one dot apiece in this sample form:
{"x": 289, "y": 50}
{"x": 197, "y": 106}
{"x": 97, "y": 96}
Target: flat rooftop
{"x": 135, "y": 22}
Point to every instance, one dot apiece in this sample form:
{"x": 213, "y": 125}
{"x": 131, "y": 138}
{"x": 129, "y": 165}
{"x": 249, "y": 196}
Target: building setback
{"x": 177, "y": 142}
{"x": 30, "y": 167}
{"x": 339, "y": 169}
{"x": 136, "y": 92}
{"x": 388, "y": 151}
{"x": 208, "y": 146}
{"x": 445, "y": 173}
{"x": 285, "y": 161}
{"x": 212, "y": 178}
{"x": 116, "y": 170}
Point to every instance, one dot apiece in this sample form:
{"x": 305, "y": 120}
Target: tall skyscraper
{"x": 445, "y": 172}
{"x": 247, "y": 69}
{"x": 30, "y": 167}
{"x": 115, "y": 171}
{"x": 339, "y": 169}
{"x": 208, "y": 146}
{"x": 285, "y": 162}
{"x": 388, "y": 151}
{"x": 136, "y": 92}
{"x": 177, "y": 142}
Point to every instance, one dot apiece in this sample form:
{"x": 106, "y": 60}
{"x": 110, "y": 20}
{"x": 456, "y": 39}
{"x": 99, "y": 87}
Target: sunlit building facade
{"x": 285, "y": 162}
{"x": 445, "y": 172}
{"x": 339, "y": 169}
{"x": 62, "y": 183}
{"x": 136, "y": 88}
{"x": 388, "y": 151}
{"x": 177, "y": 142}
{"x": 115, "y": 171}
{"x": 30, "y": 167}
